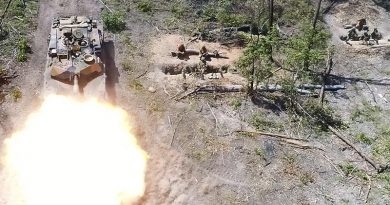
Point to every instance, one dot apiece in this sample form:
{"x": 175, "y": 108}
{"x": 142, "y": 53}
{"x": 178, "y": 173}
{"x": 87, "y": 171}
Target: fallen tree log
{"x": 241, "y": 88}
{"x": 271, "y": 135}
{"x": 296, "y": 142}
{"x": 378, "y": 167}
{"x": 326, "y": 87}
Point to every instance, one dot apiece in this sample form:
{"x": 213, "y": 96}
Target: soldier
{"x": 203, "y": 50}
{"x": 202, "y": 66}
{"x": 375, "y": 35}
{"x": 181, "y": 48}
{"x": 360, "y": 24}
{"x": 352, "y": 35}
{"x": 366, "y": 38}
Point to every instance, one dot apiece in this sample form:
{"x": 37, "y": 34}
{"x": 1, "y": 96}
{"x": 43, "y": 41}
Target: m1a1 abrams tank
{"x": 74, "y": 62}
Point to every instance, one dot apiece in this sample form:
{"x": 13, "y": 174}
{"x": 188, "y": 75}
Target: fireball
{"x": 77, "y": 152}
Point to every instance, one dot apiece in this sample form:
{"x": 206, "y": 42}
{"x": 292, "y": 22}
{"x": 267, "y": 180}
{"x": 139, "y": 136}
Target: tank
{"x": 74, "y": 64}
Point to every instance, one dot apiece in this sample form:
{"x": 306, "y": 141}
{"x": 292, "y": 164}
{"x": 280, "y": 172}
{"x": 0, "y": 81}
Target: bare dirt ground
{"x": 195, "y": 158}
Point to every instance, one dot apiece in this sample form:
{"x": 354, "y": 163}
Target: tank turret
{"x": 74, "y": 53}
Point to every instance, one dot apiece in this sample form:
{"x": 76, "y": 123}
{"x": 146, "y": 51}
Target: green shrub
{"x": 325, "y": 114}
{"x": 224, "y": 13}
{"x": 3, "y": 71}
{"x": 261, "y": 123}
{"x": 127, "y": 65}
{"x": 306, "y": 178}
{"x": 21, "y": 57}
{"x": 367, "y": 112}
{"x": 136, "y": 85}
{"x": 209, "y": 13}
{"x": 16, "y": 94}
{"x": 179, "y": 10}
{"x": 351, "y": 170}
{"x": 235, "y": 103}
{"x": 22, "y": 50}
{"x": 23, "y": 45}
{"x": 145, "y": 6}
{"x": 361, "y": 137}
{"x": 114, "y": 22}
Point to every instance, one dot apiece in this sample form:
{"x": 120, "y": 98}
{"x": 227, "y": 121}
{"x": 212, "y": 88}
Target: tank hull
{"x": 74, "y": 66}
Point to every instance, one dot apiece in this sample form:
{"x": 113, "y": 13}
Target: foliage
{"x": 295, "y": 11}
{"x": 361, "y": 137}
{"x": 255, "y": 63}
{"x": 367, "y": 112}
{"x": 180, "y": 9}
{"x": 17, "y": 24}
{"x": 325, "y": 114}
{"x": 351, "y": 170}
{"x": 114, "y": 22}
{"x": 381, "y": 148}
{"x": 235, "y": 103}
{"x": 306, "y": 178}
{"x": 309, "y": 46}
{"x": 127, "y": 65}
{"x": 3, "y": 71}
{"x": 16, "y": 9}
{"x": 136, "y": 84}
{"x": 385, "y": 177}
{"x": 223, "y": 12}
{"x": 259, "y": 152}
{"x": 16, "y": 94}
{"x": 154, "y": 107}
{"x": 145, "y": 6}
{"x": 262, "y": 123}
{"x": 22, "y": 44}
{"x": 21, "y": 57}
{"x": 22, "y": 50}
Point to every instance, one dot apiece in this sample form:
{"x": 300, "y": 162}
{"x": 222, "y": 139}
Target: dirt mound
{"x": 349, "y": 12}
{"x": 163, "y": 46}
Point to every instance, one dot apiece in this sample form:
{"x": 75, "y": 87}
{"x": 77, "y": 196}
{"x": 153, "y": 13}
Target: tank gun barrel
{"x": 76, "y": 87}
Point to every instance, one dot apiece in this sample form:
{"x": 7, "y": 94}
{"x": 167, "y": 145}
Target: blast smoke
{"x": 74, "y": 152}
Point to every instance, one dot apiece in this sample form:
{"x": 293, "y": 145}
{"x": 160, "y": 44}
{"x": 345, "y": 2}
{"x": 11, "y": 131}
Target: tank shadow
{"x": 112, "y": 73}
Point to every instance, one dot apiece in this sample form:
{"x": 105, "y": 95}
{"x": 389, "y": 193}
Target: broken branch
{"x": 378, "y": 167}
{"x": 296, "y": 142}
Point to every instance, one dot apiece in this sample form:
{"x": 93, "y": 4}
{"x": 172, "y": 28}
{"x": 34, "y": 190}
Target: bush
{"x": 326, "y": 114}
{"x": 127, "y": 66}
{"x": 235, "y": 103}
{"x": 363, "y": 139}
{"x": 144, "y": 6}
{"x": 22, "y": 50}
{"x": 263, "y": 123}
{"x": 16, "y": 94}
{"x": 23, "y": 45}
{"x": 114, "y": 22}
{"x": 3, "y": 71}
{"x": 21, "y": 57}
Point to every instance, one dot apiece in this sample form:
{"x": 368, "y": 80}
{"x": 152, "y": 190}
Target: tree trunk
{"x": 329, "y": 65}
{"x": 306, "y": 61}
{"x": 317, "y": 14}
{"x": 270, "y": 14}
{"x": 5, "y": 12}
{"x": 271, "y": 24}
